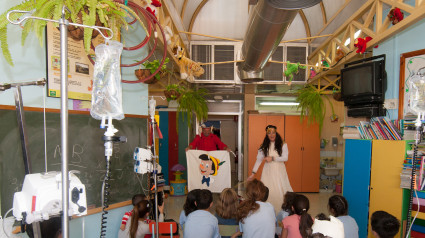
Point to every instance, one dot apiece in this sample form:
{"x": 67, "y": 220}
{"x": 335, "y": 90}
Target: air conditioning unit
{"x": 217, "y": 51}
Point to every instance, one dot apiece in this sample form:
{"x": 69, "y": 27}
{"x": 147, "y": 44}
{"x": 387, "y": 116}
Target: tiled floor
{"x": 318, "y": 204}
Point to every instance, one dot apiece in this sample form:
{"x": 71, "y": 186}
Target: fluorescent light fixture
{"x": 279, "y": 103}
{"x": 355, "y": 37}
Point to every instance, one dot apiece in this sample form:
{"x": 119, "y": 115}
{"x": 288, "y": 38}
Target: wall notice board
{"x": 86, "y": 153}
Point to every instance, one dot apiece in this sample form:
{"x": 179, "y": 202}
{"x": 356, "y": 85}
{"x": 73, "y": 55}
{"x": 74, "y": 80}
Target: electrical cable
{"x": 412, "y": 184}
{"x": 4, "y": 218}
{"x": 105, "y": 195}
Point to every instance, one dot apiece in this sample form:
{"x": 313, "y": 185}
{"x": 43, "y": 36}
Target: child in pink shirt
{"x": 299, "y": 224}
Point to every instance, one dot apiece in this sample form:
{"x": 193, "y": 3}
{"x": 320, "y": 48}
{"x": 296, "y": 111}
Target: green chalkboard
{"x": 86, "y": 153}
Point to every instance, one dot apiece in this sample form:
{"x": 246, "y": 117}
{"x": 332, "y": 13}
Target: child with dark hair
{"x": 288, "y": 200}
{"x": 338, "y": 207}
{"x": 139, "y": 222}
{"x": 189, "y": 206}
{"x": 135, "y": 200}
{"x": 328, "y": 226}
{"x": 201, "y": 223}
{"x": 384, "y": 225}
{"x": 299, "y": 224}
{"x": 256, "y": 217}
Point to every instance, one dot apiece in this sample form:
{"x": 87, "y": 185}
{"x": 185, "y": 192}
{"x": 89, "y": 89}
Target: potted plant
{"x": 173, "y": 92}
{"x": 109, "y": 13}
{"x": 311, "y": 103}
{"x": 150, "y": 68}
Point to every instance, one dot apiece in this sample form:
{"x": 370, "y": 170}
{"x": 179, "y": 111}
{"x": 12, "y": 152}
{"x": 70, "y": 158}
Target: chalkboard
{"x": 86, "y": 153}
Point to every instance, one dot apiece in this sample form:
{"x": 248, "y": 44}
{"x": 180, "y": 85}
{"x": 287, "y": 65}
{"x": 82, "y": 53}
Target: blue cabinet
{"x": 358, "y": 157}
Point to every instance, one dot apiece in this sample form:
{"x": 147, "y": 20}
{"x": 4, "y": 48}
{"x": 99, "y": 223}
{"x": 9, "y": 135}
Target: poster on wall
{"x": 80, "y": 69}
{"x": 411, "y": 63}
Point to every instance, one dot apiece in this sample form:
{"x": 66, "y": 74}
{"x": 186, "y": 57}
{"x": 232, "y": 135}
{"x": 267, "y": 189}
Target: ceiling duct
{"x": 267, "y": 24}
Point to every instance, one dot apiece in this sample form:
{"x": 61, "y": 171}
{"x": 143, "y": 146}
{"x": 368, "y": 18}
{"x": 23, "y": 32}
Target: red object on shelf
{"x": 415, "y": 234}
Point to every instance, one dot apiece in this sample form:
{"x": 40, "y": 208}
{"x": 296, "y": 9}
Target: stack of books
{"x": 350, "y": 132}
{"x": 379, "y": 128}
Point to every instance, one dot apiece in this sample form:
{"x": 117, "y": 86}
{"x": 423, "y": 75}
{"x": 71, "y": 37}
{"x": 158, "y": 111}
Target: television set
{"x": 363, "y": 82}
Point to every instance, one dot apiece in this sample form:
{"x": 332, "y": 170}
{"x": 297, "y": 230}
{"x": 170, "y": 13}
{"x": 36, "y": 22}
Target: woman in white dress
{"x": 275, "y": 152}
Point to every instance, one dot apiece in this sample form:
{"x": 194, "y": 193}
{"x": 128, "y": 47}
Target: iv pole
{"x": 63, "y": 25}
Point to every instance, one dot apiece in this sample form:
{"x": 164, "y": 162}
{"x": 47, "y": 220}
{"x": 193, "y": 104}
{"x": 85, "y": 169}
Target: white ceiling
{"x": 228, "y": 18}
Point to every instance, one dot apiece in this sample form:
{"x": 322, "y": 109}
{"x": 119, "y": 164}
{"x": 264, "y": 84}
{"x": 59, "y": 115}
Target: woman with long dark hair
{"x": 275, "y": 152}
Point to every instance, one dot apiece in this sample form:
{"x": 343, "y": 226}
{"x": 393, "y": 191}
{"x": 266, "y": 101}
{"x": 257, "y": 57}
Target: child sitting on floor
{"x": 384, "y": 225}
{"x": 299, "y": 224}
{"x": 338, "y": 207}
{"x": 189, "y": 206}
{"x": 201, "y": 223}
{"x": 288, "y": 200}
{"x": 139, "y": 222}
{"x": 135, "y": 200}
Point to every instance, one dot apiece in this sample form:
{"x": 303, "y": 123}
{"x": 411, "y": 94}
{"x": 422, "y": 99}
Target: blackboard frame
{"x": 121, "y": 200}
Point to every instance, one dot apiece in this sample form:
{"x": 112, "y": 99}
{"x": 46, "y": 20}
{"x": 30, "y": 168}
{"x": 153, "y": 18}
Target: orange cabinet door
{"x": 311, "y": 158}
{"x": 293, "y": 137}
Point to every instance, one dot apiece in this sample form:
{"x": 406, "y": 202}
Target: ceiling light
{"x": 279, "y": 103}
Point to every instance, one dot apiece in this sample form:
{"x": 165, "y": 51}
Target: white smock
{"x": 274, "y": 175}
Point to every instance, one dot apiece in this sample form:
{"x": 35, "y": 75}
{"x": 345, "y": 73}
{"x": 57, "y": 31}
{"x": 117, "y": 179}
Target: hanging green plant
{"x": 191, "y": 102}
{"x": 311, "y": 105}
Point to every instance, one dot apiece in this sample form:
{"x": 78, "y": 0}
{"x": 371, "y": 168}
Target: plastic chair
{"x": 228, "y": 230}
{"x": 165, "y": 229}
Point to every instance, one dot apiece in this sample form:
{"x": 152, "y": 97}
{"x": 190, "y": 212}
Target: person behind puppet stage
{"x": 207, "y": 141}
{"x": 275, "y": 152}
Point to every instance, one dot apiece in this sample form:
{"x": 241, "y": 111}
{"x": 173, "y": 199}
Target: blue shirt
{"x": 182, "y": 219}
{"x": 261, "y": 223}
{"x": 223, "y": 221}
{"x": 201, "y": 223}
{"x": 282, "y": 214}
{"x": 350, "y": 226}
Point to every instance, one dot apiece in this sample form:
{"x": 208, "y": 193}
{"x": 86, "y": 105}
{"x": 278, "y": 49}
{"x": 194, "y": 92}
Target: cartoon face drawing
{"x": 209, "y": 166}
{"x": 206, "y": 168}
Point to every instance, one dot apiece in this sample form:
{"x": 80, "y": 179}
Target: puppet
{"x": 292, "y": 69}
{"x": 188, "y": 68}
{"x": 339, "y": 55}
{"x": 361, "y": 44}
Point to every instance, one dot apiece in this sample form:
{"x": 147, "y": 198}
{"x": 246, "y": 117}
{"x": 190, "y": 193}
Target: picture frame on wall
{"x": 410, "y": 64}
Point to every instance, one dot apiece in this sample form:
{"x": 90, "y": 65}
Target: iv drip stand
{"x": 155, "y": 168}
{"x": 63, "y": 25}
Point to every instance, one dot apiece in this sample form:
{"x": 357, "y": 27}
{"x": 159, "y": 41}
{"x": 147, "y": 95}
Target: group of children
{"x": 254, "y": 217}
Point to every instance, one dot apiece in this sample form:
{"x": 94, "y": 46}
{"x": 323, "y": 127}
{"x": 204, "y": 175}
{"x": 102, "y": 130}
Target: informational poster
{"x": 80, "y": 69}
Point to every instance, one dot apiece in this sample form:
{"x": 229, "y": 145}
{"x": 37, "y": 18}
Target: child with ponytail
{"x": 299, "y": 224}
{"x": 139, "y": 222}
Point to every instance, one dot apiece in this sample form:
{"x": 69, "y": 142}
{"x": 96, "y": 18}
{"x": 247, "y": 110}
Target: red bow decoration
{"x": 395, "y": 15}
{"x": 156, "y": 3}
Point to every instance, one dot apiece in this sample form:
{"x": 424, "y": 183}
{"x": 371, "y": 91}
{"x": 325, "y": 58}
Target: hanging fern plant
{"x": 111, "y": 14}
{"x": 193, "y": 102}
{"x": 311, "y": 104}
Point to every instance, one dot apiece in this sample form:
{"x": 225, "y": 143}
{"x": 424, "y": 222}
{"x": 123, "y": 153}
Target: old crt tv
{"x": 364, "y": 81}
